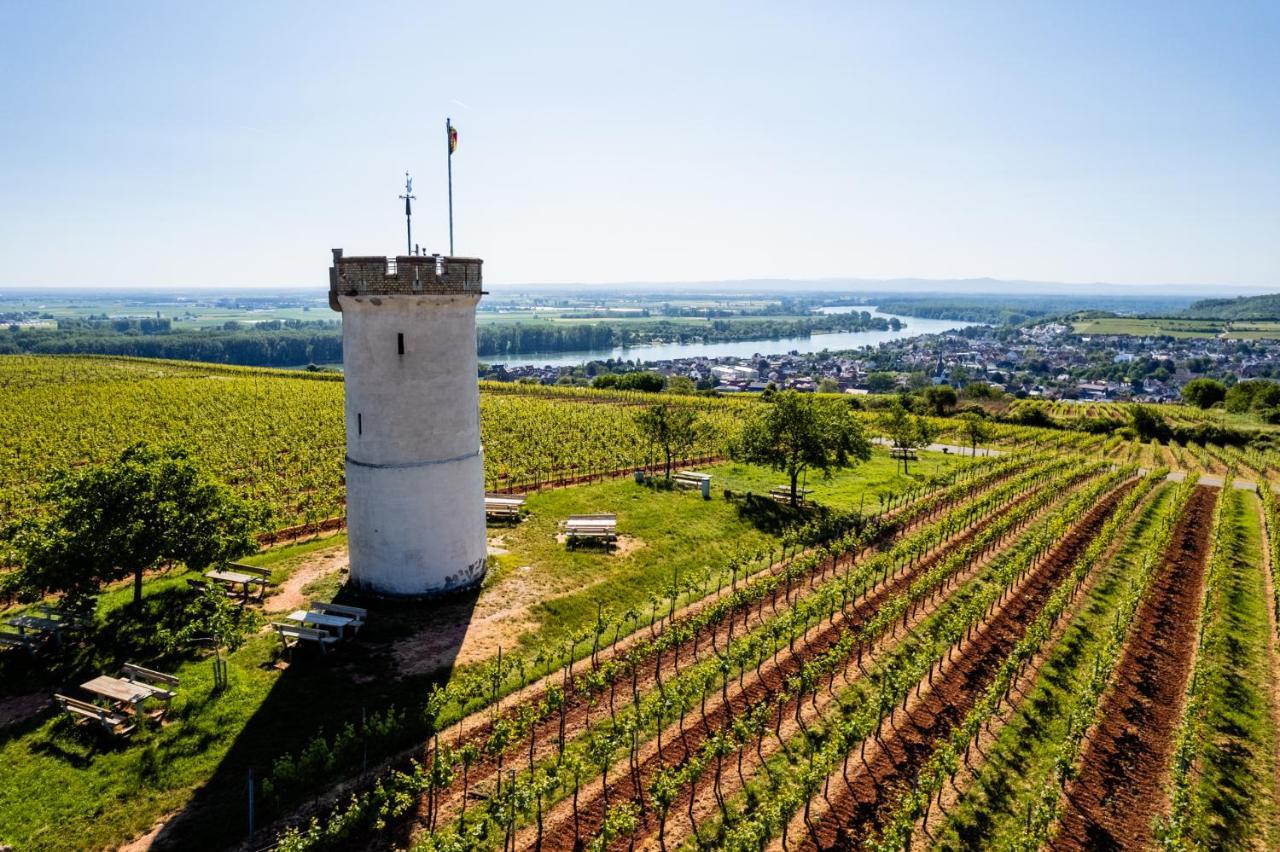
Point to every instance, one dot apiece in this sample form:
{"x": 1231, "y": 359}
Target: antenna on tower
{"x": 408, "y": 212}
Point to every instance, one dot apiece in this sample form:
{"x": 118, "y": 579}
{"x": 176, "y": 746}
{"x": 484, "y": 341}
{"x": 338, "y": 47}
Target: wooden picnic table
{"x": 321, "y": 619}
{"x": 119, "y": 690}
{"x": 37, "y": 624}
{"x": 593, "y": 522}
{"x": 232, "y": 578}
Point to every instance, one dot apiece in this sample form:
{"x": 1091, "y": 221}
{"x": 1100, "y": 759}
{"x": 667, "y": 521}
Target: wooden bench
{"x": 782, "y": 494}
{"x": 503, "y": 507}
{"x": 358, "y": 615}
{"x": 162, "y": 686}
{"x": 82, "y": 712}
{"x": 292, "y": 634}
{"x": 17, "y": 640}
{"x": 907, "y": 453}
{"x": 692, "y": 479}
{"x": 596, "y": 528}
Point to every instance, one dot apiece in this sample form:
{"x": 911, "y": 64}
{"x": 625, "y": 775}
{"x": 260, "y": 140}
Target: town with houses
{"x": 1047, "y": 360}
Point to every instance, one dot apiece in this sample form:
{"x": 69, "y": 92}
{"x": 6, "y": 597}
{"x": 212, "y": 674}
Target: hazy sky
{"x": 229, "y": 143}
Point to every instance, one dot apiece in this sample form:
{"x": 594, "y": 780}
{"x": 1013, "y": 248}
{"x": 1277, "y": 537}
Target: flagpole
{"x": 448, "y": 147}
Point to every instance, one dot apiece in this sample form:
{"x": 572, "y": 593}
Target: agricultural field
{"x": 1177, "y": 327}
{"x": 940, "y": 659}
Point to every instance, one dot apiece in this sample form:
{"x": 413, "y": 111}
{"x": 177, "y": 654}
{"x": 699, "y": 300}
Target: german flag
{"x": 453, "y": 139}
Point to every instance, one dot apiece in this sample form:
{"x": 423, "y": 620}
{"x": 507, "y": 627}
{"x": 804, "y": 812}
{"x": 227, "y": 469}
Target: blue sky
{"x": 234, "y": 144}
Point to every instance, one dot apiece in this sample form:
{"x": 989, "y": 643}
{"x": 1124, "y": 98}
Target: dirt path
{"x": 1119, "y": 790}
{"x": 314, "y": 566}
{"x": 906, "y": 743}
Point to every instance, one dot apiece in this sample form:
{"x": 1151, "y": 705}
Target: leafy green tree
{"x": 940, "y": 399}
{"x": 671, "y": 428}
{"x": 1204, "y": 393}
{"x": 795, "y": 432}
{"x": 1256, "y": 395}
{"x": 828, "y": 385}
{"x": 146, "y": 509}
{"x": 681, "y": 385}
{"x": 881, "y": 382}
{"x": 906, "y": 431}
{"x": 975, "y": 429}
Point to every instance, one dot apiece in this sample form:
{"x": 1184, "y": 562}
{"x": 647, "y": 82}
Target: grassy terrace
{"x": 990, "y": 815}
{"x": 65, "y": 787}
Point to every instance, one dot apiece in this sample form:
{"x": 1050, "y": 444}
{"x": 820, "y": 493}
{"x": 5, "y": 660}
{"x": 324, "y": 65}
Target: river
{"x": 912, "y": 327}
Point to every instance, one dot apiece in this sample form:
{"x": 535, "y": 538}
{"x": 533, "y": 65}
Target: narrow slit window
{"x": 359, "y": 423}
{"x": 400, "y": 343}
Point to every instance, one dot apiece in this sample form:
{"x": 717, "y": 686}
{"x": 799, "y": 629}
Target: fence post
{"x": 250, "y": 801}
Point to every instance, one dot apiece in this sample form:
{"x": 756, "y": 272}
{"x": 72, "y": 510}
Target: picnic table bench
{"x": 37, "y": 626}
{"x": 338, "y": 624}
{"x": 133, "y": 689}
{"x": 503, "y": 507}
{"x": 292, "y": 634}
{"x": 907, "y": 453}
{"x": 694, "y": 480}
{"x": 83, "y": 712}
{"x": 17, "y": 640}
{"x": 162, "y": 686}
{"x": 356, "y": 615}
{"x": 248, "y": 577}
{"x": 782, "y": 494}
{"x": 601, "y": 528}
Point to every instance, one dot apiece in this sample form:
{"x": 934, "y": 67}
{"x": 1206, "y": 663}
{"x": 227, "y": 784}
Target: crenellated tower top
{"x": 405, "y": 275}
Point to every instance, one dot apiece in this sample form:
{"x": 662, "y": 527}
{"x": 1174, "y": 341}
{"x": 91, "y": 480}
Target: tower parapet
{"x": 405, "y": 275}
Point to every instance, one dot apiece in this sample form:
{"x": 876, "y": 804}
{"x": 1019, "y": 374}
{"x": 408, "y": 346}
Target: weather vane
{"x": 408, "y": 212}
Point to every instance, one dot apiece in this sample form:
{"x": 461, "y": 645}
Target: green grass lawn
{"x": 991, "y": 814}
{"x": 65, "y": 787}
{"x": 1235, "y": 802}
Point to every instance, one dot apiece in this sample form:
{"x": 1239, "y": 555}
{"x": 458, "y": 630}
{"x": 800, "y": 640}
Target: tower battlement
{"x": 405, "y": 275}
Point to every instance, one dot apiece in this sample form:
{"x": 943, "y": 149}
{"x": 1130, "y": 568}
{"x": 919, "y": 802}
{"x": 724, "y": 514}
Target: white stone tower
{"x": 415, "y": 472}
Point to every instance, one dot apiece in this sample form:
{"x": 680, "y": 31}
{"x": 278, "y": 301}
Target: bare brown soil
{"x": 1112, "y": 803}
{"x": 859, "y": 802}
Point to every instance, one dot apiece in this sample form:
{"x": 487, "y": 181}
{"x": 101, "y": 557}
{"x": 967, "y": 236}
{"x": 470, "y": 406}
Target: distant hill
{"x": 1239, "y": 308}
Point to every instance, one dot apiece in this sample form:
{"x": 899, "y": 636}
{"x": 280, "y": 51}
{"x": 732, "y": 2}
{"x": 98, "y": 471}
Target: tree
{"x": 881, "y": 382}
{"x": 673, "y": 428}
{"x": 1203, "y": 393}
{"x": 906, "y": 431}
{"x": 940, "y": 399}
{"x": 795, "y": 432}
{"x": 975, "y": 429}
{"x": 146, "y": 509}
{"x": 828, "y": 385}
{"x": 681, "y": 385}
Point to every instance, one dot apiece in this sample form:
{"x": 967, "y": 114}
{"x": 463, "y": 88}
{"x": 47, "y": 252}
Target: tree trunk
{"x": 137, "y": 589}
{"x": 795, "y": 475}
